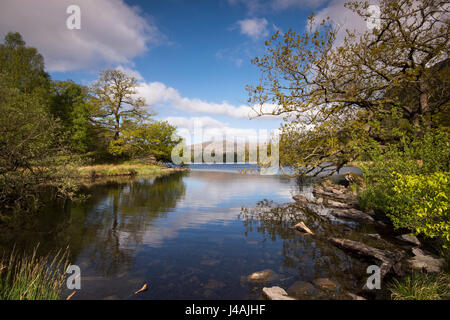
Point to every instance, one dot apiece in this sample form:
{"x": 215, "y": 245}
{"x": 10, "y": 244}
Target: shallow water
{"x": 194, "y": 235}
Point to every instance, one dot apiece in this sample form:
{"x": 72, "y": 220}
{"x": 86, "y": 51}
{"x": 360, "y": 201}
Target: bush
{"x": 409, "y": 182}
{"x": 420, "y": 203}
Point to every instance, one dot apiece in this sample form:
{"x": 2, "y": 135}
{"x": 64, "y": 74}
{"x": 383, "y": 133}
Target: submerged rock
{"x": 424, "y": 260}
{"x": 325, "y": 283}
{"x": 276, "y": 293}
{"x": 262, "y": 276}
{"x": 302, "y": 289}
{"x": 409, "y": 239}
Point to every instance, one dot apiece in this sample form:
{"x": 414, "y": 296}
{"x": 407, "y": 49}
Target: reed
{"x": 30, "y": 277}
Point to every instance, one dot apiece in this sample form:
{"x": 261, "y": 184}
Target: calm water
{"x": 193, "y": 235}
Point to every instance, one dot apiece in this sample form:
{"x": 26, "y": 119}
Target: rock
{"x": 338, "y": 204}
{"x": 387, "y": 258}
{"x": 302, "y": 228}
{"x": 352, "y": 214}
{"x": 424, "y": 260}
{"x": 276, "y": 293}
{"x": 262, "y": 276}
{"x": 374, "y": 236}
{"x": 409, "y": 239}
{"x": 354, "y": 296}
{"x": 325, "y": 283}
{"x": 300, "y": 289}
{"x": 352, "y": 177}
{"x": 300, "y": 199}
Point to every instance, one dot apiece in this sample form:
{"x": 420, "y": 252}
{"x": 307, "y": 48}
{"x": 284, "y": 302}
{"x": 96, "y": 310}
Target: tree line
{"x": 48, "y": 127}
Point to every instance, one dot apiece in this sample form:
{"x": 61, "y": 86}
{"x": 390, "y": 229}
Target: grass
{"x": 421, "y": 286}
{"x": 25, "y": 277}
{"x": 126, "y": 168}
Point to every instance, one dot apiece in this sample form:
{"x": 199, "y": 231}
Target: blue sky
{"x": 192, "y": 58}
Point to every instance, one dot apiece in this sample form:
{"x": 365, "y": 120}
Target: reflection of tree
{"x": 107, "y": 226}
{"x": 312, "y": 256}
{"x": 122, "y": 212}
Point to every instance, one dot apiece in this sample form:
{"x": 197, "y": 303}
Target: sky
{"x": 192, "y": 58}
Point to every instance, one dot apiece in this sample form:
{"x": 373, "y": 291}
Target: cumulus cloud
{"x": 254, "y": 28}
{"x": 207, "y": 129}
{"x": 343, "y": 18}
{"x": 156, "y": 93}
{"x": 112, "y": 32}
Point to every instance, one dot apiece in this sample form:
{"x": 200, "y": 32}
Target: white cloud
{"x": 190, "y": 123}
{"x": 130, "y": 72}
{"x": 158, "y": 93}
{"x": 254, "y": 28}
{"x": 200, "y": 129}
{"x": 112, "y": 32}
{"x": 343, "y": 18}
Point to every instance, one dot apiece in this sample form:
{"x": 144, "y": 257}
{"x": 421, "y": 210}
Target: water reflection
{"x": 191, "y": 235}
{"x": 308, "y": 257}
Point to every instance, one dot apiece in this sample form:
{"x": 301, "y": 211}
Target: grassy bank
{"x": 125, "y": 168}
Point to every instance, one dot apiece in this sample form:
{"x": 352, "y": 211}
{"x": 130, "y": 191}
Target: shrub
{"x": 420, "y": 203}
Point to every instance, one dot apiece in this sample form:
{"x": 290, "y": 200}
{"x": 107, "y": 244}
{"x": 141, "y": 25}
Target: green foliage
{"x": 156, "y": 138}
{"x": 421, "y": 203}
{"x": 31, "y": 147}
{"x": 409, "y": 182}
{"x": 70, "y": 104}
{"x": 24, "y": 277}
{"x": 419, "y": 286}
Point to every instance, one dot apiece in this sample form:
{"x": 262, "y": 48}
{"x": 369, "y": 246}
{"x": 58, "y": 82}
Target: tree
{"x": 22, "y": 67}
{"x": 335, "y": 96}
{"x": 70, "y": 104}
{"x": 115, "y": 102}
{"x": 156, "y": 138}
{"x": 30, "y": 147}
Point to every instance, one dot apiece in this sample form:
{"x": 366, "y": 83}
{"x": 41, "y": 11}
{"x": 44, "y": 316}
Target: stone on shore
{"x": 388, "y": 259}
{"x": 424, "y": 260}
{"x": 409, "y": 239}
{"x": 303, "y": 228}
{"x": 354, "y": 296}
{"x": 276, "y": 293}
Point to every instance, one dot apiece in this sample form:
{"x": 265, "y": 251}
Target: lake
{"x": 193, "y": 235}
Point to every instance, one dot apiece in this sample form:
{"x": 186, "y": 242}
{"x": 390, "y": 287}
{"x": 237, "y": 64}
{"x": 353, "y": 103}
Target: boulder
{"x": 424, "y": 260}
{"x": 275, "y": 293}
{"x": 325, "y": 283}
{"x": 409, "y": 239}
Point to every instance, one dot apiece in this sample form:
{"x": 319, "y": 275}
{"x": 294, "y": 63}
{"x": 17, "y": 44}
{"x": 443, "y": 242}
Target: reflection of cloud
{"x": 211, "y": 198}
